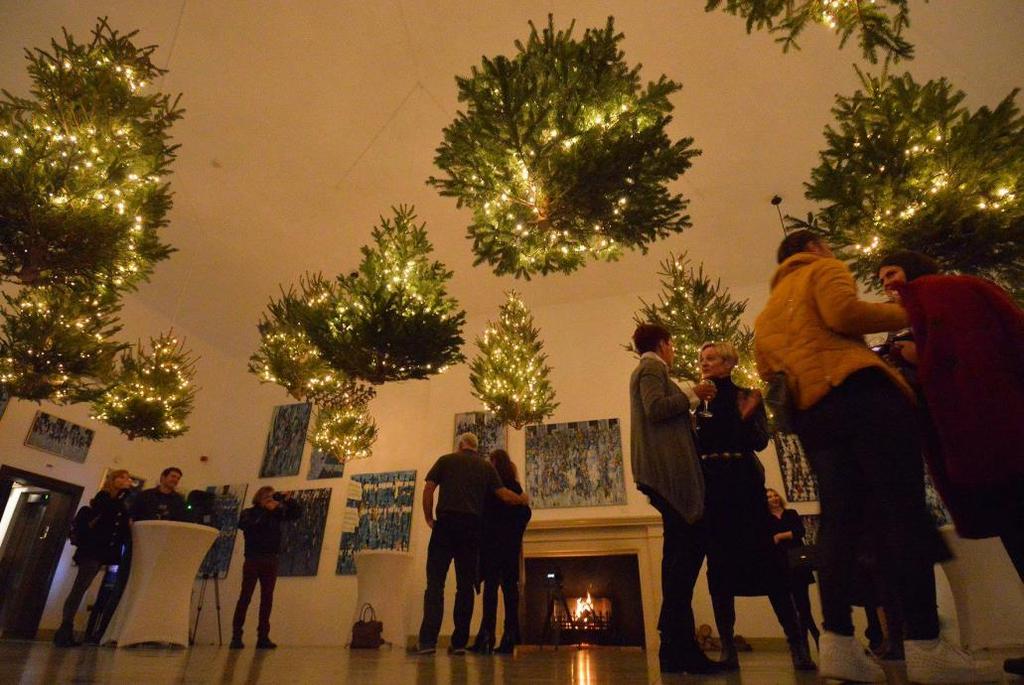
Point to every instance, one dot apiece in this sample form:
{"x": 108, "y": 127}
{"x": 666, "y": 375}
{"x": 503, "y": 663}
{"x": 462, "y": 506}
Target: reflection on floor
{"x": 28, "y": 663}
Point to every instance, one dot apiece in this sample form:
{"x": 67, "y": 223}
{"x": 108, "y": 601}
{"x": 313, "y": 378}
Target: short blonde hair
{"x": 725, "y": 349}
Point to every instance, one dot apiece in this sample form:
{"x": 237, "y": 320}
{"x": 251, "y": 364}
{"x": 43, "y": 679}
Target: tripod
{"x": 199, "y": 608}
{"x": 556, "y": 597}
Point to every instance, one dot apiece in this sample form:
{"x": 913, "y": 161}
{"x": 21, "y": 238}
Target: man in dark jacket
{"x": 261, "y": 525}
{"x": 162, "y": 503}
{"x": 465, "y": 479}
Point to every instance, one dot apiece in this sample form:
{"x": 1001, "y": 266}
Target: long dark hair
{"x": 503, "y": 463}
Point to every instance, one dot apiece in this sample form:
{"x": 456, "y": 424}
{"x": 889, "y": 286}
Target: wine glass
{"x": 705, "y": 410}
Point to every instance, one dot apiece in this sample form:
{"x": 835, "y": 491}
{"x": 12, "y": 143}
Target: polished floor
{"x": 29, "y": 663}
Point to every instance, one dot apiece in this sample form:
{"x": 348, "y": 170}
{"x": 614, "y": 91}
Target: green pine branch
{"x": 562, "y": 155}
{"x": 908, "y": 166}
{"x": 877, "y": 24}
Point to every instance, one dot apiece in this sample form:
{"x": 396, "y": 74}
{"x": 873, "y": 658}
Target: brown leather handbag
{"x": 366, "y": 632}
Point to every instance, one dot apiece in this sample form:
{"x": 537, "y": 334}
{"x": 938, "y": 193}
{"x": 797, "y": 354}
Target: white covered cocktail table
{"x": 155, "y": 607}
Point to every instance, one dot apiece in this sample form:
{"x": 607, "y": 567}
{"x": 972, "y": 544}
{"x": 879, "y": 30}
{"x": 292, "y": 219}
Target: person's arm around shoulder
{"x": 659, "y": 405}
{"x": 504, "y": 494}
{"x": 835, "y": 293}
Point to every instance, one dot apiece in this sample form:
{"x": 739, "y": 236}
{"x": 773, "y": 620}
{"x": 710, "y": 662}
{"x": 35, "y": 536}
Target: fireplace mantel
{"x": 635, "y": 535}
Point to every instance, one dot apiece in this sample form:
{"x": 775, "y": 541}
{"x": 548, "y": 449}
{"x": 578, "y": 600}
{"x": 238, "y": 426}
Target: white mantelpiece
{"x": 639, "y": 535}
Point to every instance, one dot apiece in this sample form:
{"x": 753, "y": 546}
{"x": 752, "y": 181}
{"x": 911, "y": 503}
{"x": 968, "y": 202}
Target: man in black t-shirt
{"x": 465, "y": 480}
{"x": 162, "y": 503}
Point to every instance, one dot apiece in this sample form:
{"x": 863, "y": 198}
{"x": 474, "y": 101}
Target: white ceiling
{"x": 306, "y": 120}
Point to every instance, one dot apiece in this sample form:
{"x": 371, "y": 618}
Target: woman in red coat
{"x": 969, "y": 351}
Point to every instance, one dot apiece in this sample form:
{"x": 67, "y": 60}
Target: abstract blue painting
{"x": 384, "y": 516}
{"x": 228, "y": 501}
{"x": 303, "y": 538}
{"x": 286, "y": 440}
{"x": 576, "y": 464}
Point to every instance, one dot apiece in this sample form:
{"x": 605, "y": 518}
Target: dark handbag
{"x": 366, "y": 631}
{"x": 780, "y": 403}
{"x": 802, "y": 558}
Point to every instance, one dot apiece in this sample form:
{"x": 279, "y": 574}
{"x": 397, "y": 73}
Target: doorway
{"x": 36, "y": 517}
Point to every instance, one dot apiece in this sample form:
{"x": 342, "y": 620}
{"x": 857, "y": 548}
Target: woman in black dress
{"x": 787, "y": 534}
{"x": 101, "y": 533}
{"x": 500, "y": 548}
{"x": 731, "y": 426}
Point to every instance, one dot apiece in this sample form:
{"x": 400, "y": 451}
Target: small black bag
{"x": 803, "y": 558}
{"x": 366, "y": 632}
{"x": 81, "y": 526}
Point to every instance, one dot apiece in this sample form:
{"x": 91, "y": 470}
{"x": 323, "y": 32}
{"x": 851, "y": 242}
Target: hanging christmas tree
{"x": 82, "y": 199}
{"x": 346, "y": 431}
{"x": 908, "y": 166}
{"x": 82, "y": 162}
{"x": 696, "y": 310}
{"x": 510, "y": 373}
{"x": 563, "y": 155}
{"x": 286, "y": 357}
{"x": 153, "y": 392}
{"x": 391, "y": 320}
{"x": 57, "y": 344}
{"x": 878, "y": 24}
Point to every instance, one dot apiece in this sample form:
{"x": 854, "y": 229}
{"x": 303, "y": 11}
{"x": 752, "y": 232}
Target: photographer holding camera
{"x": 261, "y": 525}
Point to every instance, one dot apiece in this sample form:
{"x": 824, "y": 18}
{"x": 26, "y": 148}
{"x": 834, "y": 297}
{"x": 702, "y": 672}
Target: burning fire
{"x": 584, "y": 610}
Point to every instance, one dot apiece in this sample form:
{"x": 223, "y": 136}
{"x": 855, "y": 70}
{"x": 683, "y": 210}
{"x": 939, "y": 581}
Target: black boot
{"x": 484, "y": 643}
{"x": 730, "y": 660}
{"x": 686, "y": 658}
{"x": 263, "y": 642}
{"x": 65, "y": 636}
{"x": 1014, "y": 666}
{"x": 236, "y": 641}
{"x": 801, "y": 655}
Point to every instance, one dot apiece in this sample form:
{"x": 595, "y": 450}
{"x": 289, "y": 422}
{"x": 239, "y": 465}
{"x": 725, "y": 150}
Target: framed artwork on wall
{"x": 57, "y": 436}
{"x": 576, "y": 464}
{"x": 228, "y": 502}
{"x": 303, "y": 538}
{"x": 286, "y": 440}
{"x": 797, "y": 478}
{"x": 812, "y": 524}
{"x": 324, "y": 465}
{"x": 378, "y": 515}
{"x": 492, "y": 435}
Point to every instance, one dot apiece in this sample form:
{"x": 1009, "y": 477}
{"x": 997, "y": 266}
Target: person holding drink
{"x": 731, "y": 426}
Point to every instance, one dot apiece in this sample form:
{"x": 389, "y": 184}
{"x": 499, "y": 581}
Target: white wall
{"x": 591, "y": 370}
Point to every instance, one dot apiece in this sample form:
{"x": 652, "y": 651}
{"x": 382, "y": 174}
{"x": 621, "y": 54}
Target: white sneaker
{"x": 841, "y": 657}
{"x": 936, "y": 661}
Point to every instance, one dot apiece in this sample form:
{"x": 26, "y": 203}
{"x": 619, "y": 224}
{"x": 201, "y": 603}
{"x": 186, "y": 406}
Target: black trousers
{"x": 724, "y": 607}
{"x": 264, "y": 570}
{"x": 455, "y": 537}
{"x": 504, "y": 574}
{"x": 681, "y": 559}
{"x": 862, "y": 443}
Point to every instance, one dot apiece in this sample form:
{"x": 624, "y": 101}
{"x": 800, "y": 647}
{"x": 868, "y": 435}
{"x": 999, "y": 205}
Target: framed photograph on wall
{"x": 57, "y": 436}
{"x": 492, "y": 435}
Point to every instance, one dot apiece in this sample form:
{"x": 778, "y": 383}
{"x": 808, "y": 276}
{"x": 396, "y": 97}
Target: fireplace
{"x": 583, "y": 600}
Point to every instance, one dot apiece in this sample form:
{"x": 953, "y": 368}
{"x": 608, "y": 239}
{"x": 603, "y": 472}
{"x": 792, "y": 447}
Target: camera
{"x": 553, "y": 578}
{"x": 279, "y": 496}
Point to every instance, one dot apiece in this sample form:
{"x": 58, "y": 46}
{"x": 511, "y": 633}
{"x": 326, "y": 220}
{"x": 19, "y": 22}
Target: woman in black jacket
{"x": 500, "y": 548}
{"x": 101, "y": 532}
{"x": 741, "y": 558}
{"x": 788, "y": 534}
